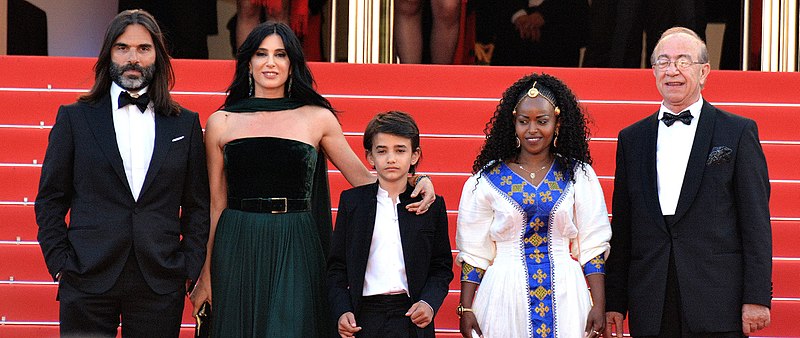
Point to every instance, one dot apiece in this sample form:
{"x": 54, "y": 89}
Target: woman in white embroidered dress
{"x": 532, "y": 224}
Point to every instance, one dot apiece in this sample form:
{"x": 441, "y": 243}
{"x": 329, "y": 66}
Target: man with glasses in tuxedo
{"x": 692, "y": 244}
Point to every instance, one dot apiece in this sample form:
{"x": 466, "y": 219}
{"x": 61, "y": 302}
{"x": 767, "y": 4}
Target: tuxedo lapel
{"x": 697, "y": 159}
{"x": 650, "y": 179}
{"x": 101, "y": 120}
{"x": 165, "y": 130}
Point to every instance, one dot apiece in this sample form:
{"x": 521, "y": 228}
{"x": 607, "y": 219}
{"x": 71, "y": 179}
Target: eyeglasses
{"x": 680, "y": 63}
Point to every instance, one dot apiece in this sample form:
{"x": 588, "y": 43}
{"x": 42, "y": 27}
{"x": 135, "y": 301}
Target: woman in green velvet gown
{"x": 270, "y": 206}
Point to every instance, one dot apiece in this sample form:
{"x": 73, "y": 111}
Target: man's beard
{"x": 131, "y": 82}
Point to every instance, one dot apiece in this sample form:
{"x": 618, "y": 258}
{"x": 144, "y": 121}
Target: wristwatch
{"x": 461, "y": 309}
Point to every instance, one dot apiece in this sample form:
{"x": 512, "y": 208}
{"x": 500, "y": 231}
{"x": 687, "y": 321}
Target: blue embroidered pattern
{"x": 536, "y": 202}
{"x": 596, "y": 265}
{"x": 471, "y": 274}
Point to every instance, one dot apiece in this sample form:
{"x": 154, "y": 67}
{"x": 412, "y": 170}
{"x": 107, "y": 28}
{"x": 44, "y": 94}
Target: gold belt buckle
{"x": 285, "y": 205}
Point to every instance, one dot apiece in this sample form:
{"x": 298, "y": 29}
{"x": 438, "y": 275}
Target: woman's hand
{"x": 425, "y": 187}
{"x": 596, "y": 322}
{"x": 200, "y": 294}
{"x": 467, "y": 324}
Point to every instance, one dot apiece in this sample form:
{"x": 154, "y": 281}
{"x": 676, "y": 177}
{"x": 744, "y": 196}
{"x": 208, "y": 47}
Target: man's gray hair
{"x": 682, "y": 30}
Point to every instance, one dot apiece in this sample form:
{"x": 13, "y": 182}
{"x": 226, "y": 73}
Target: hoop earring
{"x": 289, "y": 90}
{"x": 252, "y": 88}
{"x": 518, "y": 143}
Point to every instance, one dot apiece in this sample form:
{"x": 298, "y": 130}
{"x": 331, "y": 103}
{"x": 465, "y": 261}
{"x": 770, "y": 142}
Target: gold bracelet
{"x": 461, "y": 309}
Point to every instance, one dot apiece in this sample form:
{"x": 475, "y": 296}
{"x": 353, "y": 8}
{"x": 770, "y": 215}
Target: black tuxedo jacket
{"x": 426, "y": 250}
{"x": 720, "y": 235}
{"x": 83, "y": 174}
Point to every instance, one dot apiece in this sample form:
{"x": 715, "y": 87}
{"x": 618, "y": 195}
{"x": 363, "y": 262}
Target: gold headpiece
{"x": 544, "y": 92}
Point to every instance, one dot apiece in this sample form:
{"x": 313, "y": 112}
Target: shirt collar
{"x": 116, "y": 90}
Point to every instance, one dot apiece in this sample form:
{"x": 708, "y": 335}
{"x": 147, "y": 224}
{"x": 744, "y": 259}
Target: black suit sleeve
{"x": 338, "y": 292}
{"x": 752, "y": 191}
{"x": 618, "y": 260}
{"x": 195, "y": 205}
{"x": 440, "y": 272}
{"x": 55, "y": 194}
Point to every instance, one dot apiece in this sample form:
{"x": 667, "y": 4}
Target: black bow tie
{"x": 685, "y": 117}
{"x": 141, "y": 102}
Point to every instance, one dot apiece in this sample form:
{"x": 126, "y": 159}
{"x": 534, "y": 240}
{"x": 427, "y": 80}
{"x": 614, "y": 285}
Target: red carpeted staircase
{"x": 450, "y": 103}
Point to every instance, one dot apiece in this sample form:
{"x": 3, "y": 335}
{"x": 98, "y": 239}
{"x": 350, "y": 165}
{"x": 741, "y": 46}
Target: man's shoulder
{"x": 637, "y": 127}
{"x": 728, "y": 117}
{"x": 186, "y": 114}
{"x": 80, "y": 105}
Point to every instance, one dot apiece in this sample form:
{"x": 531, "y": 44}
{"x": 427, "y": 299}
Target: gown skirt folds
{"x": 268, "y": 265}
{"x": 534, "y": 245}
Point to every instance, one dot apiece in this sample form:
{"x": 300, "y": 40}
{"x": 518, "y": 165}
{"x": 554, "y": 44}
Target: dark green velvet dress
{"x": 268, "y": 270}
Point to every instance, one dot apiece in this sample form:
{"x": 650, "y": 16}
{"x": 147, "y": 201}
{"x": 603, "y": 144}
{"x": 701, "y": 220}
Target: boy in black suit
{"x": 388, "y": 267}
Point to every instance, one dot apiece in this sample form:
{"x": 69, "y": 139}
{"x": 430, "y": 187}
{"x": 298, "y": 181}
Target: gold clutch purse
{"x": 203, "y": 321}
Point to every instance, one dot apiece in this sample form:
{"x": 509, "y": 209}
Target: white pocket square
{"x": 178, "y": 139}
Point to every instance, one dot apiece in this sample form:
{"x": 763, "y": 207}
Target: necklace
{"x": 532, "y": 174}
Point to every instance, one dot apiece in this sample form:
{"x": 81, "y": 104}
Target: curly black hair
{"x": 573, "y": 133}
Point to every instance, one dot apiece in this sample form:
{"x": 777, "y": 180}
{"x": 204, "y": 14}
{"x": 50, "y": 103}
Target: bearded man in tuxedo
{"x": 128, "y": 165}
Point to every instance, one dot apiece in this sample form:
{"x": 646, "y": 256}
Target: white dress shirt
{"x": 136, "y": 134}
{"x": 673, "y": 147}
{"x": 386, "y": 268}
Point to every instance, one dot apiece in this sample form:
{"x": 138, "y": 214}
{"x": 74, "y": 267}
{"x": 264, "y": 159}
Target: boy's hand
{"x": 421, "y": 314}
{"x": 347, "y": 325}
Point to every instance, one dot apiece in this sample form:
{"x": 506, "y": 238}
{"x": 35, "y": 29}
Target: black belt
{"x": 274, "y": 205}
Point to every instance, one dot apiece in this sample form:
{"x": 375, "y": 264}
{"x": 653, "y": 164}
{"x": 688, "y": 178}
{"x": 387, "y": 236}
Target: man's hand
{"x": 421, "y": 314}
{"x": 530, "y": 26}
{"x": 347, "y": 325}
{"x": 754, "y": 317}
{"x": 615, "y": 320}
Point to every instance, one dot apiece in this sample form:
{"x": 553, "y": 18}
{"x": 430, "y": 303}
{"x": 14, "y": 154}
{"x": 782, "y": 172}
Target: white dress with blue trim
{"x": 530, "y": 248}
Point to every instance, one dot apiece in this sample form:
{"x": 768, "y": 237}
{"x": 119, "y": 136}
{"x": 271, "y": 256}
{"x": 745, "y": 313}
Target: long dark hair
{"x": 573, "y": 133}
{"x": 163, "y": 77}
{"x": 302, "y": 80}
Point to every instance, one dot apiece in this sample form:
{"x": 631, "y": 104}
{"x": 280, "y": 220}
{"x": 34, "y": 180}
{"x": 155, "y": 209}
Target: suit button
{"x": 135, "y": 211}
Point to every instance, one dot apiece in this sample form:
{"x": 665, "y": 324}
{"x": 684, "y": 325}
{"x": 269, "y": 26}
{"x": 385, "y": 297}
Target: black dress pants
{"x": 672, "y": 316}
{"x": 143, "y": 313}
{"x": 383, "y": 316}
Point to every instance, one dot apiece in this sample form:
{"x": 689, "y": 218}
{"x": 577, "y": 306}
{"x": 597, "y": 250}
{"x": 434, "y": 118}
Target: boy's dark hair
{"x": 395, "y": 123}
